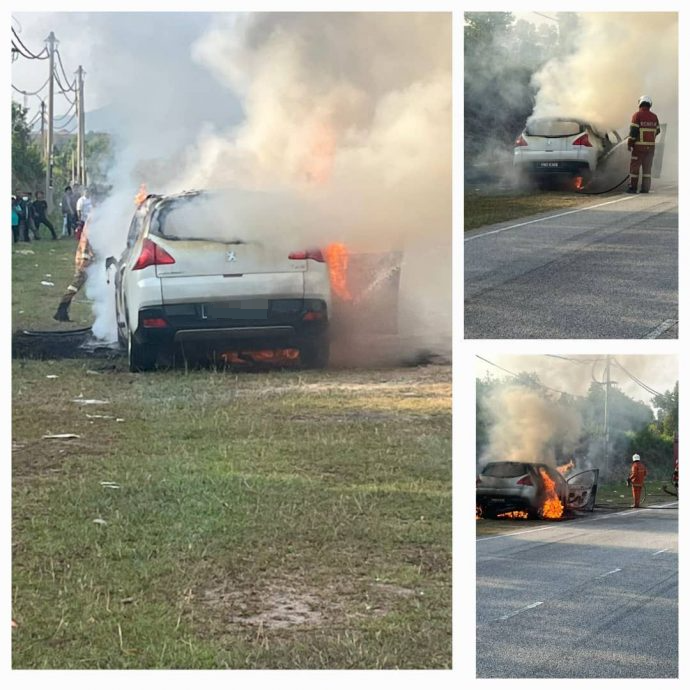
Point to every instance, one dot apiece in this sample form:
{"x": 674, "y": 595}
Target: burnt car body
{"x": 506, "y": 486}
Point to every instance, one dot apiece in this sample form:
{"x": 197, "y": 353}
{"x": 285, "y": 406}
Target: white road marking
{"x": 656, "y": 553}
{"x": 541, "y": 220}
{"x": 622, "y": 513}
{"x": 525, "y": 608}
{"x": 660, "y": 329}
{"x": 610, "y": 572}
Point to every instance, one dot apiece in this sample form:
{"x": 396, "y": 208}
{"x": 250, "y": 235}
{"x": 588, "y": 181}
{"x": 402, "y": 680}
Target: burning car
{"x": 532, "y": 489}
{"x": 183, "y": 282}
{"x": 561, "y": 147}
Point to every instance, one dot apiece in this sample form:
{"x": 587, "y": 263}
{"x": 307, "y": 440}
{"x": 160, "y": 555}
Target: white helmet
{"x": 645, "y": 99}
{"x": 636, "y": 458}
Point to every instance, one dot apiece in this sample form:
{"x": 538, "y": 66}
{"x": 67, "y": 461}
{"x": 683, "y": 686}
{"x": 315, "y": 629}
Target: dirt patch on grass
{"x": 291, "y": 603}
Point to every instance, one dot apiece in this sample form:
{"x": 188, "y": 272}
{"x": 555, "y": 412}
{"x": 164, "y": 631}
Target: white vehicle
{"x": 554, "y": 147}
{"x": 184, "y": 283}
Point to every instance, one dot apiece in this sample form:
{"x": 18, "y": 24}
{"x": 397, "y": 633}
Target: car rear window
{"x": 553, "y": 128}
{"x": 505, "y": 469}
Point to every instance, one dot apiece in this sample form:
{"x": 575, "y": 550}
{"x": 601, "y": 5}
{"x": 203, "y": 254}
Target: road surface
{"x": 608, "y": 269}
{"x": 588, "y": 598}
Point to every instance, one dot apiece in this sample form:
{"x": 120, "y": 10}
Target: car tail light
{"x": 520, "y": 141}
{"x": 313, "y": 254}
{"x": 525, "y": 481}
{"x": 313, "y": 316}
{"x": 582, "y": 140}
{"x": 152, "y": 255}
{"x": 155, "y": 323}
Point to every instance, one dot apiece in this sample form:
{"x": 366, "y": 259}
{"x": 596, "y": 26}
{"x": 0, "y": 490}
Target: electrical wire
{"x": 541, "y": 385}
{"x": 32, "y": 93}
{"x": 33, "y": 56}
{"x": 64, "y": 73}
{"x": 62, "y": 126}
{"x": 634, "y": 378}
{"x": 63, "y": 89}
{"x": 62, "y": 117}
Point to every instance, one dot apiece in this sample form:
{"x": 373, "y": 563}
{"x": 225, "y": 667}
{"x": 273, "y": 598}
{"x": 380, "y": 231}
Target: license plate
{"x": 548, "y": 165}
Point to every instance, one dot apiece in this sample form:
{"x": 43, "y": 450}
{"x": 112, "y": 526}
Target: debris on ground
{"x": 47, "y": 283}
{"x": 14, "y": 623}
{"x": 110, "y": 485}
{"x": 90, "y": 401}
{"x": 99, "y": 521}
{"x": 59, "y": 436}
{"x": 52, "y": 376}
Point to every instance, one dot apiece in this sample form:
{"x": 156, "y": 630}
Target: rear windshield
{"x": 553, "y": 128}
{"x": 233, "y": 216}
{"x": 505, "y": 469}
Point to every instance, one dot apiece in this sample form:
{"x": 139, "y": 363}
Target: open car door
{"x": 582, "y": 490}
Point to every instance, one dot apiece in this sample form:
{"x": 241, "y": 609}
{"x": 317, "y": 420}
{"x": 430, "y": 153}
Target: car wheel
{"x": 141, "y": 357}
{"x": 314, "y": 354}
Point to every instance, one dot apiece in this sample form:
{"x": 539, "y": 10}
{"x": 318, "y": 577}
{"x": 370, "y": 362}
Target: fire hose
{"x": 606, "y": 191}
{"x": 73, "y": 331}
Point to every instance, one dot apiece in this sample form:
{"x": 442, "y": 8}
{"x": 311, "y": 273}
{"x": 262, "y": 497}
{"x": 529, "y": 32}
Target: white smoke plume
{"x": 347, "y": 117}
{"x": 527, "y": 426}
{"x": 616, "y": 58}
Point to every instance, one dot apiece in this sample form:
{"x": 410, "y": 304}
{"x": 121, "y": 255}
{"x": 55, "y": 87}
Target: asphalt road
{"x": 608, "y": 269}
{"x": 589, "y": 598}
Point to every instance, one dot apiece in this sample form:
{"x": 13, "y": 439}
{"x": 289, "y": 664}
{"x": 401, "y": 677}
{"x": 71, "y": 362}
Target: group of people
{"x": 28, "y": 214}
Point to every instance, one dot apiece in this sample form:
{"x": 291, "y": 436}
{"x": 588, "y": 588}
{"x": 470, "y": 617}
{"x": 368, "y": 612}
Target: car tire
{"x": 141, "y": 357}
{"x": 314, "y": 354}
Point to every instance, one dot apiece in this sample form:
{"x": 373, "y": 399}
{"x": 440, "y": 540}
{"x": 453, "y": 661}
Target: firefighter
{"x": 644, "y": 130}
{"x": 638, "y": 472}
{"x": 82, "y": 260}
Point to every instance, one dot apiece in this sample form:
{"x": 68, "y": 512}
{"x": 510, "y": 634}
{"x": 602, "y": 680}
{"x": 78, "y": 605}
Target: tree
{"x": 667, "y": 412}
{"x": 28, "y": 171}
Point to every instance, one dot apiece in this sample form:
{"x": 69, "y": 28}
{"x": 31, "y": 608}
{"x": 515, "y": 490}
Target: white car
{"x": 186, "y": 283}
{"x": 559, "y": 147}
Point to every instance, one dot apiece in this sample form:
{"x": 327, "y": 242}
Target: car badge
{"x": 230, "y": 256}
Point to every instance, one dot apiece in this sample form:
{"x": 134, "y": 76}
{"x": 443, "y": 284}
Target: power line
{"x": 640, "y": 383}
{"x": 32, "y": 93}
{"x": 31, "y": 55}
{"x": 64, "y": 73}
{"x": 541, "y": 385}
{"x": 62, "y": 117}
{"x": 62, "y": 126}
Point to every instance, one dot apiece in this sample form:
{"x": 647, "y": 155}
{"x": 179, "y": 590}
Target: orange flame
{"x": 318, "y": 161}
{"x": 515, "y": 515}
{"x": 578, "y": 183}
{"x": 552, "y": 507}
{"x": 141, "y": 195}
{"x": 280, "y": 356}
{"x": 567, "y": 468}
{"x": 337, "y": 260}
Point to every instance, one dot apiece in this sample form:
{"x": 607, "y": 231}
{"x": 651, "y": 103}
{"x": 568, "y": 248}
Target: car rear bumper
{"x": 276, "y": 323}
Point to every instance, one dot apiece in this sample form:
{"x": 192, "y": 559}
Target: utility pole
{"x": 81, "y": 143}
{"x": 52, "y": 42}
{"x": 606, "y": 414}
{"x": 43, "y": 130}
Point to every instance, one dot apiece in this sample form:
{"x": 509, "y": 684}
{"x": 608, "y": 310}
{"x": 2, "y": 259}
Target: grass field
{"x": 486, "y": 209}
{"x": 220, "y": 519}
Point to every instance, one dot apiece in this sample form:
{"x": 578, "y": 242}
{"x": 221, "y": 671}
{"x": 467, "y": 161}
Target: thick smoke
{"x": 616, "y": 58}
{"x": 528, "y": 426}
{"x": 346, "y": 134}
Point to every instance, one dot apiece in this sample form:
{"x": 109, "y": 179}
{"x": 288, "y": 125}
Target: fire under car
{"x": 534, "y": 490}
{"x": 555, "y": 149}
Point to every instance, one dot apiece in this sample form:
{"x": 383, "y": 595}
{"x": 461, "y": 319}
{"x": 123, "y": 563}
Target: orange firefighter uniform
{"x": 638, "y": 472}
{"x": 644, "y": 129}
{"x": 82, "y": 260}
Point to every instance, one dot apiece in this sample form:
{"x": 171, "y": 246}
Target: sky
{"x": 659, "y": 372}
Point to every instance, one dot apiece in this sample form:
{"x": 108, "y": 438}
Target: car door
{"x": 135, "y": 230}
{"x": 582, "y": 490}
